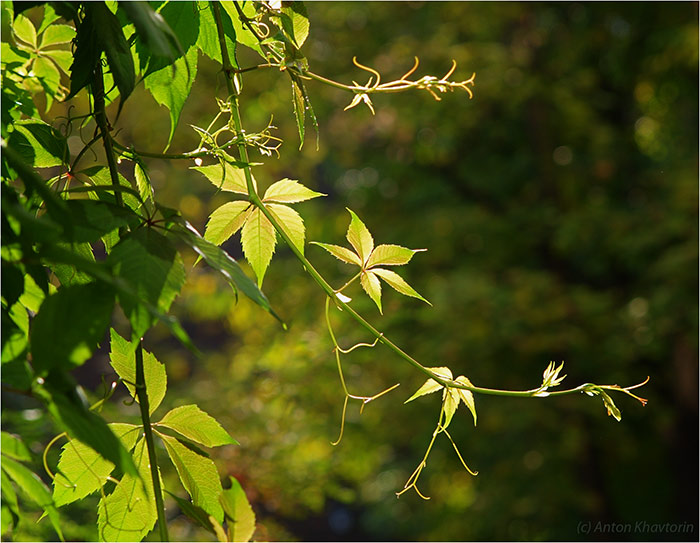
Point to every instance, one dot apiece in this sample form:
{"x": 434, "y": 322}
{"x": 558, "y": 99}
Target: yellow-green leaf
{"x": 466, "y": 396}
{"x": 196, "y": 425}
{"x": 341, "y": 253}
{"x": 391, "y": 255}
{"x": 258, "y": 239}
{"x": 227, "y": 178}
{"x": 289, "y": 191}
{"x": 395, "y": 281}
{"x": 431, "y": 385}
{"x": 226, "y": 221}
{"x": 291, "y": 222}
{"x": 372, "y": 287}
{"x": 359, "y": 237}
{"x": 450, "y": 404}
{"x": 240, "y": 515}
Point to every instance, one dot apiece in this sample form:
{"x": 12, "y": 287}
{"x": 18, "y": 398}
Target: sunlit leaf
{"x": 359, "y": 237}
{"x": 371, "y": 286}
{"x": 431, "y": 385}
{"x": 391, "y": 255}
{"x": 195, "y": 424}
{"x": 291, "y": 222}
{"x": 56, "y": 34}
{"x": 129, "y": 512}
{"x": 395, "y": 281}
{"x": 239, "y": 513}
{"x": 341, "y": 253}
{"x": 198, "y": 475}
{"x": 13, "y": 447}
{"x": 123, "y": 359}
{"x": 82, "y": 471}
{"x": 466, "y": 395}
{"x": 289, "y": 191}
{"x": 451, "y": 402}
{"x": 25, "y": 30}
{"x": 229, "y": 179}
{"x": 258, "y": 239}
{"x": 226, "y": 221}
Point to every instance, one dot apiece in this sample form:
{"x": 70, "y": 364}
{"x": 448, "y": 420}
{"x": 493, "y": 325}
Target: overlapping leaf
{"x": 451, "y": 397}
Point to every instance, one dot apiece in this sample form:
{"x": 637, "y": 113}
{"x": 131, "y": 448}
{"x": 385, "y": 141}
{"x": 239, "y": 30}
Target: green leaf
{"x": 243, "y": 34}
{"x": 289, "y": 191}
{"x": 198, "y": 475}
{"x": 431, "y": 385}
{"x": 100, "y": 176}
{"x": 69, "y": 325}
{"x": 391, "y": 255}
{"x": 228, "y": 178}
{"x": 75, "y": 418}
{"x": 25, "y": 30}
{"x": 195, "y": 424}
{"x": 219, "y": 259}
{"x": 359, "y": 237}
{"x": 395, "y": 281}
{"x": 466, "y": 395}
{"x": 610, "y": 406}
{"x": 142, "y": 181}
{"x": 299, "y": 110}
{"x": 38, "y": 144}
{"x": 226, "y": 221}
{"x": 208, "y": 39}
{"x": 34, "y": 489}
{"x": 153, "y": 30}
{"x": 115, "y": 46}
{"x": 57, "y": 34}
{"x": 129, "y": 512}
{"x": 341, "y": 253}
{"x": 93, "y": 219}
{"x": 149, "y": 263}
{"x": 450, "y": 405}
{"x": 371, "y": 285}
{"x": 291, "y": 222}
{"x": 13, "y": 447}
{"x": 258, "y": 239}
{"x": 191, "y": 511}
{"x": 9, "y": 497}
{"x": 87, "y": 54}
{"x": 240, "y": 515}
{"x": 296, "y": 22}
{"x": 171, "y": 88}
{"x": 82, "y": 471}
{"x": 123, "y": 360}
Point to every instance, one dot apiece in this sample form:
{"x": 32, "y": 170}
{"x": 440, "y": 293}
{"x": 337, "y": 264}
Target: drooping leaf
{"x": 610, "y": 406}
{"x": 69, "y": 325}
{"x": 431, "y": 385}
{"x": 195, "y": 424}
{"x": 226, "y": 221}
{"x": 359, "y": 237}
{"x": 220, "y": 260}
{"x": 14, "y": 447}
{"x": 34, "y": 489}
{"x": 258, "y": 239}
{"x": 82, "y": 471}
{"x": 466, "y": 395}
{"x": 171, "y": 88}
{"x": 123, "y": 360}
{"x": 450, "y": 405}
{"x": 295, "y": 22}
{"x": 191, "y": 511}
{"x": 148, "y": 262}
{"x": 129, "y": 512}
{"x": 10, "y": 508}
{"x": 228, "y": 178}
{"x": 291, "y": 222}
{"x": 299, "y": 110}
{"x": 87, "y": 54}
{"x": 198, "y": 475}
{"x": 371, "y": 285}
{"x": 208, "y": 39}
{"x": 142, "y": 182}
{"x": 391, "y": 255}
{"x": 73, "y": 416}
{"x": 341, "y": 253}
{"x": 395, "y": 281}
{"x": 115, "y": 46}
{"x": 242, "y": 32}
{"x": 289, "y": 191}
{"x": 153, "y": 30}
{"x": 239, "y": 513}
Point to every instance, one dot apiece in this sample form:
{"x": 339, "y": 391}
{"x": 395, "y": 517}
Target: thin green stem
{"x": 142, "y": 395}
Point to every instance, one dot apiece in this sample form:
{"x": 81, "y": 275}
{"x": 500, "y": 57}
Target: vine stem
{"x": 142, "y": 395}
{"x": 229, "y": 72}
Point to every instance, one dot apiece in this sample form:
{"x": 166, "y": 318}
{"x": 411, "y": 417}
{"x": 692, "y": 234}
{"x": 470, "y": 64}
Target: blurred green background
{"x": 559, "y": 208}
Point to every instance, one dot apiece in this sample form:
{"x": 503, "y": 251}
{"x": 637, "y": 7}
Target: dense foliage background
{"x": 559, "y": 209}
